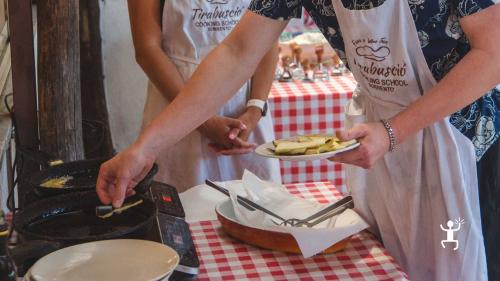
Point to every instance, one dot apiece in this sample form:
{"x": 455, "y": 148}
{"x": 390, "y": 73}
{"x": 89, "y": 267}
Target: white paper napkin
{"x": 199, "y": 202}
{"x": 275, "y": 197}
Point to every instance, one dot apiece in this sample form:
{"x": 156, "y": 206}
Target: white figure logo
{"x": 450, "y": 233}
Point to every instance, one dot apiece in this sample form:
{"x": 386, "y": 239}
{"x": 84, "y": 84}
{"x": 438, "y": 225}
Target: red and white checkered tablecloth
{"x": 223, "y": 258}
{"x": 307, "y": 108}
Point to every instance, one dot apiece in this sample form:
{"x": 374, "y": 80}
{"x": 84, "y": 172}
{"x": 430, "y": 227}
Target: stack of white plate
{"x": 110, "y": 260}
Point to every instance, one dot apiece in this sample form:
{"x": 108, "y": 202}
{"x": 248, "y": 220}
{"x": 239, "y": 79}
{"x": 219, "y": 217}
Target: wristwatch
{"x": 262, "y": 105}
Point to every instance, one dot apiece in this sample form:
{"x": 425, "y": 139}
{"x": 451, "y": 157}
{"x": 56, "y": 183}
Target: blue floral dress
{"x": 441, "y": 37}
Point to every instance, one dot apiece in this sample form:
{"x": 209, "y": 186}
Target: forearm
{"x": 199, "y": 99}
{"x": 145, "y": 23}
{"x": 476, "y": 73}
{"x": 472, "y": 77}
{"x": 263, "y": 77}
{"x": 218, "y": 77}
{"x": 161, "y": 71}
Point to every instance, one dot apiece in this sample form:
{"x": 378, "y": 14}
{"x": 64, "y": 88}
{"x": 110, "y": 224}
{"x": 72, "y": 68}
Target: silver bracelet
{"x": 390, "y": 132}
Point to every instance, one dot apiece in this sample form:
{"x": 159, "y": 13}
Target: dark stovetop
{"x": 169, "y": 229}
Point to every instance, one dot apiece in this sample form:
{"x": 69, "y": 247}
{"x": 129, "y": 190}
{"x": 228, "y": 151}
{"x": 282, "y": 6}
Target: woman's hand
{"x": 374, "y": 142}
{"x": 239, "y": 137}
{"x": 218, "y": 129}
{"x": 118, "y": 176}
{"x": 250, "y": 118}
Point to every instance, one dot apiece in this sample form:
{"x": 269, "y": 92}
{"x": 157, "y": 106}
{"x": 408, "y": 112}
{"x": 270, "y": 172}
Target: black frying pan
{"x": 84, "y": 176}
{"x": 71, "y": 219}
{"x": 68, "y": 219}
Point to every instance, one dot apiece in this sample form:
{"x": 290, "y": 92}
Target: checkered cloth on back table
{"x": 309, "y": 108}
{"x": 223, "y": 258}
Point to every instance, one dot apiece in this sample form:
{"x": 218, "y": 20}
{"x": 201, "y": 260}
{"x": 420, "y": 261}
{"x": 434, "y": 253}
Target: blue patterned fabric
{"x": 442, "y": 40}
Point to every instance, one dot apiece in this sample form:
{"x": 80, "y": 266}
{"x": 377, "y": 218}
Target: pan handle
{"x": 27, "y": 253}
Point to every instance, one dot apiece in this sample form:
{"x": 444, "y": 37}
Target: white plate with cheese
{"x": 305, "y": 148}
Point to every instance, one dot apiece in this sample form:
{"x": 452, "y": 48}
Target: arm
{"x": 262, "y": 81}
{"x": 473, "y": 76}
{"x": 464, "y": 83}
{"x": 263, "y": 77}
{"x": 220, "y": 75}
{"x": 145, "y": 22}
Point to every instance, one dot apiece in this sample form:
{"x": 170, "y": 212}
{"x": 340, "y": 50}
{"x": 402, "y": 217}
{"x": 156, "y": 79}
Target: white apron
{"x": 191, "y": 29}
{"x": 431, "y": 177}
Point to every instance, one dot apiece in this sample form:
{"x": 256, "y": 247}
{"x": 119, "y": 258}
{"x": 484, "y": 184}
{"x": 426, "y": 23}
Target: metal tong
{"x": 320, "y": 216}
{"x": 326, "y": 213}
{"x": 246, "y": 203}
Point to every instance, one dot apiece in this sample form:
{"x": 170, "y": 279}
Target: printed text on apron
{"x": 191, "y": 29}
{"x": 410, "y": 195}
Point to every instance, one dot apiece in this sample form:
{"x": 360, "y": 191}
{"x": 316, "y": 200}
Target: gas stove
{"x": 170, "y": 229}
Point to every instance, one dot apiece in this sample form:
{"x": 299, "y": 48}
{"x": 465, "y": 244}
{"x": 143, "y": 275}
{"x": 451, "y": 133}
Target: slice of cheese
{"x": 59, "y": 182}
{"x": 289, "y": 147}
{"x": 309, "y": 144}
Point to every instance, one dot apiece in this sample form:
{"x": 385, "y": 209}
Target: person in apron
{"x": 430, "y": 178}
{"x": 190, "y": 30}
{"x": 421, "y": 199}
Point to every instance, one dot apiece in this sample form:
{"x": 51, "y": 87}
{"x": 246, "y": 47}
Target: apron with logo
{"x": 411, "y": 194}
{"x": 191, "y": 29}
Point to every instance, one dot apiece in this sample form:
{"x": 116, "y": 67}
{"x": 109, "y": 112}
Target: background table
{"x": 223, "y": 258}
{"x": 309, "y": 108}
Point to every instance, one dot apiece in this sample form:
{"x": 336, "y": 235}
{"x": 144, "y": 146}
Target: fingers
{"x": 224, "y": 130}
{"x": 234, "y": 123}
{"x": 221, "y": 150}
{"x": 236, "y": 143}
{"x": 356, "y": 132}
{"x": 349, "y": 157}
{"x": 119, "y": 191}
{"x": 360, "y": 157}
{"x": 234, "y": 132}
{"x": 117, "y": 177}
{"x": 129, "y": 193}
{"x": 111, "y": 189}
{"x": 215, "y": 147}
{"x": 244, "y": 135}
{"x": 235, "y": 151}
{"x": 103, "y": 187}
{"x": 240, "y": 143}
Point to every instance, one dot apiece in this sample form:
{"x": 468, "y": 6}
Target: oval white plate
{"x": 108, "y": 260}
{"x": 27, "y": 276}
{"x": 266, "y": 151}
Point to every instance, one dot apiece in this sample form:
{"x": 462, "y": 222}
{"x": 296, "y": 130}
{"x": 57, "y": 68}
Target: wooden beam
{"x": 23, "y": 72}
{"x": 59, "y": 79}
{"x": 23, "y": 86}
{"x": 96, "y": 132}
